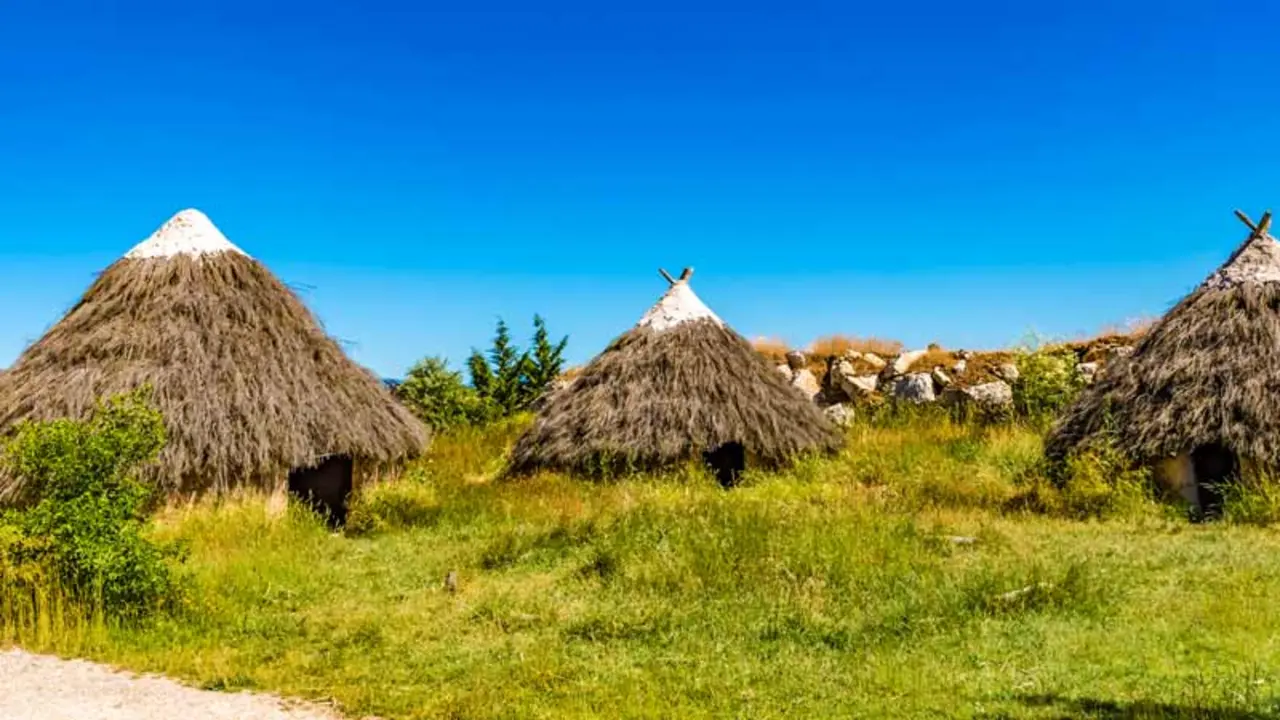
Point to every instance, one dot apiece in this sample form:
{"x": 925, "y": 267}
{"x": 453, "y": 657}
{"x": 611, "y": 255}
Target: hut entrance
{"x": 325, "y": 487}
{"x": 727, "y": 462}
{"x": 1215, "y": 466}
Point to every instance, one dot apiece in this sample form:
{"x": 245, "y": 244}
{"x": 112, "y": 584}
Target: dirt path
{"x": 39, "y": 687}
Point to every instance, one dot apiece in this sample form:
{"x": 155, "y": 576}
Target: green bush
{"x": 440, "y": 398}
{"x": 1047, "y": 383}
{"x": 84, "y": 518}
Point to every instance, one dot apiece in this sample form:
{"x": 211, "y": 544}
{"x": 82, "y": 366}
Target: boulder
{"x": 1088, "y": 371}
{"x": 1008, "y": 372}
{"x": 845, "y": 379}
{"x": 796, "y": 360}
{"x": 806, "y": 383}
{"x": 873, "y": 360}
{"x": 839, "y": 413}
{"x": 940, "y": 378}
{"x": 903, "y": 362}
{"x": 785, "y": 370}
{"x": 916, "y": 388}
{"x": 992, "y": 393}
{"x": 987, "y": 395}
{"x": 864, "y": 384}
{"x": 960, "y": 366}
{"x": 1118, "y": 352}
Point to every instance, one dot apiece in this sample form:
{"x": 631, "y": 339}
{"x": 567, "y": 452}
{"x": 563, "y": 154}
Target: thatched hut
{"x": 1199, "y": 397}
{"x": 679, "y": 385}
{"x": 253, "y": 391}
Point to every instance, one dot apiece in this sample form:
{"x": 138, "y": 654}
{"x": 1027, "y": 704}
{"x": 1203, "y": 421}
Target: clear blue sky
{"x": 959, "y": 172}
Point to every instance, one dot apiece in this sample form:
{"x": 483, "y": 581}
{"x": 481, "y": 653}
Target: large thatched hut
{"x": 679, "y": 385}
{"x": 1199, "y": 398}
{"x": 253, "y": 391}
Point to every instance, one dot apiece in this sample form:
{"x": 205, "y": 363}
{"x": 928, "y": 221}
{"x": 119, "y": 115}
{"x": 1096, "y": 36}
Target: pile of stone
{"x": 952, "y": 378}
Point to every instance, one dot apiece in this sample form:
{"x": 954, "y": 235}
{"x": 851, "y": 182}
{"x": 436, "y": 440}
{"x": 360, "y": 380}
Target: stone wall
{"x": 933, "y": 374}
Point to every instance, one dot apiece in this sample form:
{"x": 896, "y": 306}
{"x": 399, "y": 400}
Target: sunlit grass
{"x": 911, "y": 576}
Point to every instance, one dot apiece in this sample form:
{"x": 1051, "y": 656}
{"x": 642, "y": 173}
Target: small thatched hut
{"x": 253, "y": 392}
{"x": 679, "y": 385}
{"x": 1199, "y": 398}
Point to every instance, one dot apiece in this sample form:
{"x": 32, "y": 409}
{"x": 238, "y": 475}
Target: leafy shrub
{"x": 85, "y": 516}
{"x": 1047, "y": 382}
{"x": 440, "y": 398}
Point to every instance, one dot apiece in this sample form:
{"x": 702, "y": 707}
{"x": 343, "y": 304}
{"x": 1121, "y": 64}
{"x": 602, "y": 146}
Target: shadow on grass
{"x": 1138, "y": 710}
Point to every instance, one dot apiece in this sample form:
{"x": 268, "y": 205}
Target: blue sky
{"x": 958, "y": 172}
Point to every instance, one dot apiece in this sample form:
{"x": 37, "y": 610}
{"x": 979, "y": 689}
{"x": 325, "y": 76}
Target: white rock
{"x": 940, "y": 379}
{"x": 960, "y": 366}
{"x": 844, "y": 379}
{"x": 785, "y": 370}
{"x": 902, "y": 363}
{"x": 916, "y": 388}
{"x": 806, "y": 383}
{"x": 796, "y": 360}
{"x": 840, "y": 414}
{"x": 1118, "y": 352}
{"x": 873, "y": 360}
{"x": 992, "y": 394}
{"x": 1008, "y": 372}
{"x": 865, "y": 384}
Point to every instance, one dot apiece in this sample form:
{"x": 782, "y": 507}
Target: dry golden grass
{"x": 828, "y": 345}
{"x": 934, "y": 357}
{"x": 982, "y": 366}
{"x": 772, "y": 348}
{"x": 1132, "y": 328}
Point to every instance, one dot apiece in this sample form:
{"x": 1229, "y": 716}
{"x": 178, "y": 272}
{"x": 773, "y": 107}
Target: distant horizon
{"x": 958, "y": 174}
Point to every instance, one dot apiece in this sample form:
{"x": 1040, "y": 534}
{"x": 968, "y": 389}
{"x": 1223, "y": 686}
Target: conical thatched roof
{"x": 248, "y": 382}
{"x": 1207, "y": 372}
{"x": 679, "y": 383}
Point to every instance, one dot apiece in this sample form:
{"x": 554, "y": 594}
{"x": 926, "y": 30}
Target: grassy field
{"x": 926, "y": 572}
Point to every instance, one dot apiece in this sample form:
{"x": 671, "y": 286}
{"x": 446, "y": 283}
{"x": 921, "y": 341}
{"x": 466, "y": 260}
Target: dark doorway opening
{"x": 325, "y": 488}
{"x": 1215, "y": 466}
{"x": 727, "y": 462}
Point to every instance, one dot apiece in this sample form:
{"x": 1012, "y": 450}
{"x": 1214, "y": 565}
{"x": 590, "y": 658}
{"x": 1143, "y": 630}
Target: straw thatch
{"x": 249, "y": 383}
{"x": 1208, "y": 372}
{"x": 678, "y": 384}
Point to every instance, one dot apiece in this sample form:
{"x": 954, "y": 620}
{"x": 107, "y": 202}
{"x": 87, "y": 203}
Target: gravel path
{"x": 39, "y": 687}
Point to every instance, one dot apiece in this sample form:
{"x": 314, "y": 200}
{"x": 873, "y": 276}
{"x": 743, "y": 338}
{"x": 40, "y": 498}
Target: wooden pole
{"x": 688, "y": 273}
{"x": 667, "y": 275}
{"x": 1245, "y": 219}
{"x": 1265, "y": 223}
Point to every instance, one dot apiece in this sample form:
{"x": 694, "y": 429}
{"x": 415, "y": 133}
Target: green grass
{"x": 833, "y": 590}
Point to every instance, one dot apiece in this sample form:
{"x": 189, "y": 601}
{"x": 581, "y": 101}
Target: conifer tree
{"x": 481, "y": 374}
{"x": 507, "y": 365}
{"x": 546, "y": 361}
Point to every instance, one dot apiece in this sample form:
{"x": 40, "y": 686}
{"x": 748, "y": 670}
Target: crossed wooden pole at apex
{"x": 684, "y": 276}
{"x": 1262, "y": 225}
